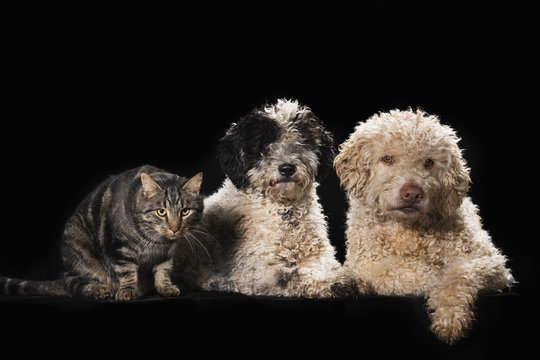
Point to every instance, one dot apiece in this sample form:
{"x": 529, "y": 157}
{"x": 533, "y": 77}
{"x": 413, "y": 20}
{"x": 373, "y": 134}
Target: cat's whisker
{"x": 151, "y": 241}
{"x": 186, "y": 237}
{"x": 207, "y": 235}
{"x": 199, "y": 231}
{"x": 204, "y": 247}
{"x": 193, "y": 238}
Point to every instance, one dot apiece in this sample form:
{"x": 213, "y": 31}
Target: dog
{"x": 411, "y": 229}
{"x": 267, "y": 234}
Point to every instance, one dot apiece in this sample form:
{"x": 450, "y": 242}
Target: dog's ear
{"x": 232, "y": 158}
{"x": 352, "y": 165}
{"x": 326, "y": 155}
{"x": 319, "y": 139}
{"x": 455, "y": 182}
{"x": 243, "y": 145}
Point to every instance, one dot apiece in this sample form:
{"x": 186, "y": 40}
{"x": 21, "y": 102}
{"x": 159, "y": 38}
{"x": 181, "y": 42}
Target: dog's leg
{"x": 315, "y": 280}
{"x": 451, "y": 308}
{"x": 451, "y": 302}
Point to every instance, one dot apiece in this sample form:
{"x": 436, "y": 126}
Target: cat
{"x": 119, "y": 242}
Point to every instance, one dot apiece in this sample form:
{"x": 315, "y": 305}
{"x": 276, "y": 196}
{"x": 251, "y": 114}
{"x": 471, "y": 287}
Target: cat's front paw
{"x": 98, "y": 291}
{"x": 171, "y": 290}
{"x": 126, "y": 294}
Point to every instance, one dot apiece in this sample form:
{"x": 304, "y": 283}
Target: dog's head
{"x": 404, "y": 164}
{"x": 279, "y": 150}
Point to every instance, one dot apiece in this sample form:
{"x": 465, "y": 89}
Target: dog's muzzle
{"x": 410, "y": 198}
{"x": 286, "y": 172}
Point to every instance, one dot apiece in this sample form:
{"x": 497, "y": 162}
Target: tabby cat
{"x": 119, "y": 242}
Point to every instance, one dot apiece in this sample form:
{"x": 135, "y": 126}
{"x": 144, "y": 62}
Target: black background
{"x": 98, "y": 91}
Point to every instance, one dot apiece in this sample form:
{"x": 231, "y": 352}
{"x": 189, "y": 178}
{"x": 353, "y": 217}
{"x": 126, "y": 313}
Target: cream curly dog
{"x": 411, "y": 229}
{"x": 266, "y": 219}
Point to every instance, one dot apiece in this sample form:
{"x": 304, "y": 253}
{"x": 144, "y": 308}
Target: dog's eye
{"x": 387, "y": 159}
{"x": 428, "y": 164}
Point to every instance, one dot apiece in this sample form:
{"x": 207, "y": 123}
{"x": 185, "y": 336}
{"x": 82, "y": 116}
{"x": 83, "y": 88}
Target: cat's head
{"x": 168, "y": 205}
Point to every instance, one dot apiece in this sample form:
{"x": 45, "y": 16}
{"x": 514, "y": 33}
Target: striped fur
{"x": 119, "y": 241}
{"x": 11, "y": 286}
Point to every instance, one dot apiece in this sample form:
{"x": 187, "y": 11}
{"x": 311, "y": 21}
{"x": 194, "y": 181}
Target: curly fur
{"x": 411, "y": 229}
{"x": 271, "y": 230}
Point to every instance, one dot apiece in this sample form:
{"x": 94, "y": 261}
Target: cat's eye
{"x": 387, "y": 159}
{"x": 161, "y": 212}
{"x": 185, "y": 212}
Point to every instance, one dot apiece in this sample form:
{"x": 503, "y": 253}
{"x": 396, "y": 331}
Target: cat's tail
{"x": 11, "y": 286}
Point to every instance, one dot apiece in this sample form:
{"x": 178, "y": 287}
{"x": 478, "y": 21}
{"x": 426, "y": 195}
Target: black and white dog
{"x": 267, "y": 231}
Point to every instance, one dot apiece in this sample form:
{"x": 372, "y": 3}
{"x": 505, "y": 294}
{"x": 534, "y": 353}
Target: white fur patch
{"x": 284, "y": 110}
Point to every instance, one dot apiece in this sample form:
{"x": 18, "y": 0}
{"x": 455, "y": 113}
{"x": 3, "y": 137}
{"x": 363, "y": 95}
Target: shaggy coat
{"x": 411, "y": 229}
{"x": 267, "y": 231}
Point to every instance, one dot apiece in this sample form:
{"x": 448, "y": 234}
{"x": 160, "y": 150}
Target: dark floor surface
{"x": 222, "y": 324}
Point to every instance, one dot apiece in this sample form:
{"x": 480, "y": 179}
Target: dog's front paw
{"x": 349, "y": 287}
{"x": 362, "y": 287}
{"x": 344, "y": 289}
{"x": 447, "y": 333}
{"x": 450, "y": 323}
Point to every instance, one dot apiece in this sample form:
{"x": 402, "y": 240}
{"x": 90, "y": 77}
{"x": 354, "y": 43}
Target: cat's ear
{"x": 150, "y": 186}
{"x": 194, "y": 184}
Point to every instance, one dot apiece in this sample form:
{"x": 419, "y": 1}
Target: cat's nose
{"x": 174, "y": 226}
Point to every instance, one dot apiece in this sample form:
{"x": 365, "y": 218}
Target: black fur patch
{"x": 243, "y": 144}
{"x": 246, "y": 141}
{"x": 320, "y": 140}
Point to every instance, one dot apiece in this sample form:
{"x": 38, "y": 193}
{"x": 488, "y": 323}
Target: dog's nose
{"x": 286, "y": 169}
{"x": 411, "y": 193}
